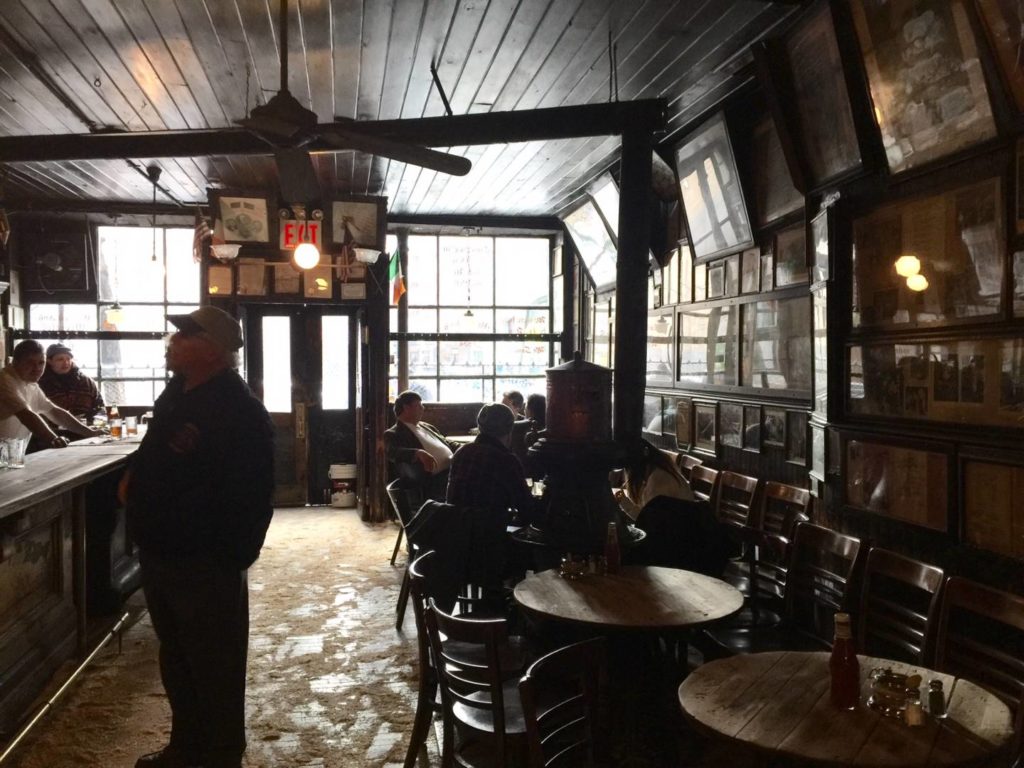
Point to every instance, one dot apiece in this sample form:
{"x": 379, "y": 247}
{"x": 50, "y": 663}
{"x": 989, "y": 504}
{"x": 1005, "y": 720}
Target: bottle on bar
{"x": 844, "y": 669}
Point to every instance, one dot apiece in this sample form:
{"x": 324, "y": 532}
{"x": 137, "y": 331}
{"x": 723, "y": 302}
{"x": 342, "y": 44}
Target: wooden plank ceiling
{"x": 76, "y": 66}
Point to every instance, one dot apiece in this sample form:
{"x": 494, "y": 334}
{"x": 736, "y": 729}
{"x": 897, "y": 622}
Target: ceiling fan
{"x": 288, "y": 127}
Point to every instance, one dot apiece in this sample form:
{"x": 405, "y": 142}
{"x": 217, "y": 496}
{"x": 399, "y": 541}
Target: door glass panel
{"x": 277, "y": 364}
{"x": 334, "y": 393}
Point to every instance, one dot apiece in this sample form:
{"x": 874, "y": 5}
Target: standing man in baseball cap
{"x": 199, "y": 494}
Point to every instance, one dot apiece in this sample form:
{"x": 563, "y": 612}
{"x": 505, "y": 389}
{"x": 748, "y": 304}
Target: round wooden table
{"x": 637, "y": 598}
{"x": 778, "y": 704}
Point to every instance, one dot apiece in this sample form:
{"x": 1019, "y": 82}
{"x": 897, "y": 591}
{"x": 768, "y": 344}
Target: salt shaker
{"x": 936, "y": 699}
{"x": 913, "y": 714}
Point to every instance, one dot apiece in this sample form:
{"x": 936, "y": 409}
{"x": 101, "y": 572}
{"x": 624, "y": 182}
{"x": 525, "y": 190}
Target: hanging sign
{"x": 294, "y": 232}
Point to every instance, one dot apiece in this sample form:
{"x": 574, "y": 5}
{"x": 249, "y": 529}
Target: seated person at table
{"x": 419, "y": 451}
{"x": 66, "y": 386}
{"x": 514, "y": 400}
{"x": 484, "y": 473}
{"x": 536, "y": 414}
{"x": 23, "y": 404}
{"x": 650, "y": 474}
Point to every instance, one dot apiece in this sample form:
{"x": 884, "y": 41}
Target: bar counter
{"x": 64, "y": 558}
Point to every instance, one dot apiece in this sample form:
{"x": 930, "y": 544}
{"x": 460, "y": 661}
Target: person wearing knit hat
{"x": 65, "y": 385}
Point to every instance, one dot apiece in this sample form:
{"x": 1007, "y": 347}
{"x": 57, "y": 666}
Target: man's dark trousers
{"x": 200, "y": 611}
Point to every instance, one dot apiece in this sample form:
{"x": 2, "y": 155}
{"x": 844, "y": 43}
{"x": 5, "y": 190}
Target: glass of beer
{"x": 115, "y": 428}
{"x": 131, "y": 426}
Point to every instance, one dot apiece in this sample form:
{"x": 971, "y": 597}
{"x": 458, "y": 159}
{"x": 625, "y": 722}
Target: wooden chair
{"x": 560, "y": 694}
{"x": 898, "y": 606}
{"x": 821, "y": 565}
{"x": 981, "y": 637}
{"x": 735, "y": 498}
{"x": 686, "y": 464}
{"x": 782, "y": 507}
{"x": 479, "y": 694}
{"x": 406, "y": 498}
{"x": 703, "y": 482}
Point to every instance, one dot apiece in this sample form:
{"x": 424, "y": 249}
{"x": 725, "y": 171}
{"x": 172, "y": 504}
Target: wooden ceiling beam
{"x": 456, "y": 131}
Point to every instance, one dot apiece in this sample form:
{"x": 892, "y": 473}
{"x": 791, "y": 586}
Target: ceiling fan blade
{"x": 297, "y": 177}
{"x": 398, "y": 150}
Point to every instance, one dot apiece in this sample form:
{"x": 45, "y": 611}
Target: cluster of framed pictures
{"x": 684, "y": 423}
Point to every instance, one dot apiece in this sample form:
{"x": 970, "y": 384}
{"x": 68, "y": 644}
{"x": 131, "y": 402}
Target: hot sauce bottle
{"x": 843, "y": 666}
{"x": 612, "y": 557}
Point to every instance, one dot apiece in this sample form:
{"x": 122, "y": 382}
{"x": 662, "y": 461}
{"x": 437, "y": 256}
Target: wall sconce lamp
{"x": 366, "y": 255}
{"x": 225, "y": 252}
{"x": 917, "y": 282}
{"x": 907, "y": 266}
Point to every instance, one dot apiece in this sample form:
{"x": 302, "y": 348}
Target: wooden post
{"x": 403, "y": 313}
{"x": 631, "y": 284}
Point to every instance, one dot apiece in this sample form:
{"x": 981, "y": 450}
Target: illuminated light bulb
{"x": 306, "y": 256}
{"x": 115, "y": 314}
{"x": 907, "y": 266}
{"x": 917, "y": 282}
{"x": 214, "y": 289}
{"x": 321, "y": 284}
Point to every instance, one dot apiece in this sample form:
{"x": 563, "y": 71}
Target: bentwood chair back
{"x": 981, "y": 637}
{"x": 686, "y": 464}
{"x": 822, "y": 565}
{"x": 899, "y": 604}
{"x": 735, "y": 500}
{"x": 560, "y": 694}
{"x": 782, "y": 507}
{"x": 479, "y": 694}
{"x": 704, "y": 483}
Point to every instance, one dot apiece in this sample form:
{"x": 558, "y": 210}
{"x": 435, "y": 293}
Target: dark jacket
{"x": 487, "y": 476}
{"x": 202, "y": 481}
{"x": 73, "y": 391}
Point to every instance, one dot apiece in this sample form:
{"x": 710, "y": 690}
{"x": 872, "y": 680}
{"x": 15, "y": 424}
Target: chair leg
{"x": 421, "y": 723}
{"x": 403, "y": 598}
{"x": 398, "y": 543}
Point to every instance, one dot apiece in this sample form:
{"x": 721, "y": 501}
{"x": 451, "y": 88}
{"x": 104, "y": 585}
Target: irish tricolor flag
{"x": 396, "y": 278}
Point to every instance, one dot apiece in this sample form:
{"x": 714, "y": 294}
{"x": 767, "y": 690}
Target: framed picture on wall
{"x": 354, "y": 222}
{"x": 730, "y": 424}
{"x": 286, "y": 279}
{"x": 252, "y": 277}
{"x": 818, "y": 452}
{"x": 712, "y": 197}
{"x": 1002, "y": 22}
{"x": 242, "y": 219}
{"x": 791, "y": 256}
{"x": 767, "y": 272}
{"x": 796, "y": 438}
{"x": 706, "y": 427}
{"x": 750, "y": 270}
{"x": 774, "y": 192}
{"x": 219, "y": 280}
{"x": 820, "y": 251}
{"x": 774, "y": 427}
{"x": 752, "y": 428}
{"x": 716, "y": 280}
{"x": 684, "y": 431}
{"x": 900, "y": 40}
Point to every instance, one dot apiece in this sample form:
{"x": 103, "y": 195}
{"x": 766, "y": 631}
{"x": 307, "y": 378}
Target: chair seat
{"x": 760, "y": 639}
{"x": 481, "y": 720}
{"x": 512, "y": 655}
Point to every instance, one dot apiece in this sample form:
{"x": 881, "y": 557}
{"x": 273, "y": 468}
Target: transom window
{"x": 472, "y": 300}
{"x": 143, "y": 275}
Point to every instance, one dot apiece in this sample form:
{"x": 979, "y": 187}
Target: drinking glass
{"x": 16, "y": 452}
{"x": 115, "y": 428}
{"x": 3, "y": 454}
{"x": 131, "y": 426}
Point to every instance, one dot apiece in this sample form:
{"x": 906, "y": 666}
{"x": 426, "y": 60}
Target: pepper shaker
{"x": 936, "y": 699}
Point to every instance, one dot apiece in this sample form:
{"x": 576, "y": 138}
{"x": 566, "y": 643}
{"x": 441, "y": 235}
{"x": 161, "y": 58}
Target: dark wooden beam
{"x": 459, "y": 130}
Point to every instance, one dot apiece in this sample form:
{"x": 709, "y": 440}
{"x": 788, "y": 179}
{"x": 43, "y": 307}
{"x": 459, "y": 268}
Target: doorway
{"x": 303, "y": 363}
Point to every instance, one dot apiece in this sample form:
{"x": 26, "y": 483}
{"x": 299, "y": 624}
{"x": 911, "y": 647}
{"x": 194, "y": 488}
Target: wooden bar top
{"x": 48, "y": 473}
{"x": 778, "y": 703}
{"x": 636, "y": 598}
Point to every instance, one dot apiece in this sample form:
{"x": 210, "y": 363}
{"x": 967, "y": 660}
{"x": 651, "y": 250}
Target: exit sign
{"x": 295, "y": 232}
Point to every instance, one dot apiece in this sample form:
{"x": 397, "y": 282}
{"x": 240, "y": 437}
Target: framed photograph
{"x": 730, "y": 424}
{"x": 774, "y": 193}
{"x": 242, "y": 220}
{"x": 287, "y": 279}
{"x": 684, "y": 430}
{"x": 958, "y": 238}
{"x": 993, "y": 508}
{"x": 773, "y": 429}
{"x": 712, "y": 197}
{"x": 796, "y": 438}
{"x": 701, "y": 330}
{"x": 752, "y": 428}
{"x": 1002, "y": 22}
{"x": 819, "y": 331}
{"x": 252, "y": 277}
{"x": 353, "y": 291}
{"x": 219, "y": 280}
{"x": 750, "y": 270}
{"x": 716, "y": 280}
{"x": 355, "y": 223}
{"x": 660, "y": 348}
{"x": 898, "y": 480}
{"x": 822, "y": 120}
{"x": 901, "y": 42}
{"x": 685, "y": 258}
{"x": 700, "y": 282}
{"x": 818, "y": 457}
{"x": 318, "y": 282}
{"x": 776, "y": 346}
{"x": 705, "y": 437}
{"x": 791, "y": 256}
{"x": 820, "y": 249}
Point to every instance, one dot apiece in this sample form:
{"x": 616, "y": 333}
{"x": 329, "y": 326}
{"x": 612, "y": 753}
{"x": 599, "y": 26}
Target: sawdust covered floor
{"x": 330, "y": 681}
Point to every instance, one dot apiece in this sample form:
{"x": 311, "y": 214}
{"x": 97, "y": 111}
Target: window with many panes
{"x": 143, "y": 275}
{"x": 479, "y": 316}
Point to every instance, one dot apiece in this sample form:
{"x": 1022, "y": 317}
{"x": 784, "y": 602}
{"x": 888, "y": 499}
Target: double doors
{"x": 304, "y": 363}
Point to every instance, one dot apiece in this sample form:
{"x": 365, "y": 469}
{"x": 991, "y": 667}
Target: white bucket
{"x": 343, "y": 499}
{"x": 342, "y": 472}
{"x": 343, "y": 485}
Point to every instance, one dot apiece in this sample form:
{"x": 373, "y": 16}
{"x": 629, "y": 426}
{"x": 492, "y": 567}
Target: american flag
{"x": 202, "y": 232}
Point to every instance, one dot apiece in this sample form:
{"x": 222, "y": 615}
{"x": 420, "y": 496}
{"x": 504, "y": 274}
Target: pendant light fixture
{"x": 153, "y": 172}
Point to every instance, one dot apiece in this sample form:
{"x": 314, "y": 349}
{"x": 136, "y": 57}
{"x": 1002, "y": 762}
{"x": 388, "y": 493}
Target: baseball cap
{"x": 214, "y": 322}
{"x": 495, "y": 419}
{"x": 58, "y": 349}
